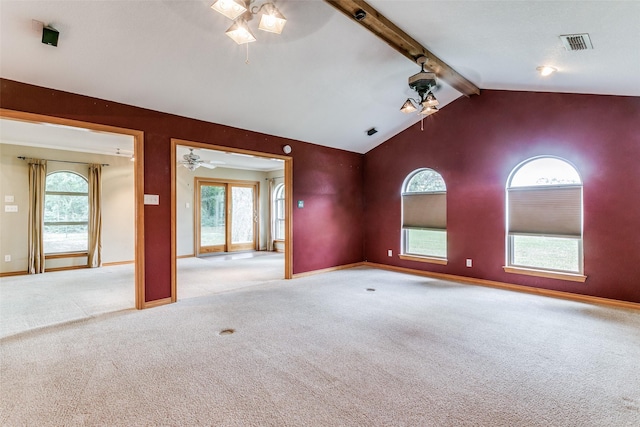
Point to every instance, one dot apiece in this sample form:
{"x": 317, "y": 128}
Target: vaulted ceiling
{"x": 325, "y": 80}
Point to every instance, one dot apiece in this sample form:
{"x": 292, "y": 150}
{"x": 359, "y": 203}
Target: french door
{"x": 226, "y": 215}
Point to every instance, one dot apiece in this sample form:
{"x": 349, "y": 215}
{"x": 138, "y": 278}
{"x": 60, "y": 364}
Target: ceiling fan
{"x": 192, "y": 161}
{"x": 424, "y": 83}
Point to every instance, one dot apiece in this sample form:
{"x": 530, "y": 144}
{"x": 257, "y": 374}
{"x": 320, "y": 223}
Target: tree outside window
{"x": 66, "y": 213}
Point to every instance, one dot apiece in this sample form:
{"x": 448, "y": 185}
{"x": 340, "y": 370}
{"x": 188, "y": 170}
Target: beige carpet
{"x": 41, "y": 300}
{"x": 325, "y": 351}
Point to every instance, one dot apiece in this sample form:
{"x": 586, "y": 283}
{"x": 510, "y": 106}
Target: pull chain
{"x": 247, "y": 61}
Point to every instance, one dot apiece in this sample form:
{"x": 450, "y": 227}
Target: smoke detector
{"x": 576, "y": 41}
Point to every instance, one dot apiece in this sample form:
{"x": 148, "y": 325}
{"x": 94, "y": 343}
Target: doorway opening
{"x": 224, "y": 209}
{"x": 71, "y": 149}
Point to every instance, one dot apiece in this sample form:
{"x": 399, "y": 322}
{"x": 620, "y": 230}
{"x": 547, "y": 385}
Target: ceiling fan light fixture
{"x": 240, "y": 33}
{"x": 408, "y": 107}
{"x": 430, "y": 101}
{"x": 229, "y": 8}
{"x": 272, "y": 20}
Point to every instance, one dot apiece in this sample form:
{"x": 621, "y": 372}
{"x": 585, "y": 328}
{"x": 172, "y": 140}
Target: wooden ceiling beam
{"x": 379, "y": 25}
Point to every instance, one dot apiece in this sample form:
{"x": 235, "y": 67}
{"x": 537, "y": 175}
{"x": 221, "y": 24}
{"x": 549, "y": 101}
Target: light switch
{"x": 151, "y": 199}
{"x": 8, "y": 199}
{"x": 11, "y": 208}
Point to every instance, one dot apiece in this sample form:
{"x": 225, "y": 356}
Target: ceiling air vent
{"x": 576, "y": 41}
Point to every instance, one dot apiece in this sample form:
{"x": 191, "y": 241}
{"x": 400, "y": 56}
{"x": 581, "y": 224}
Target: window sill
{"x": 66, "y": 255}
{"x": 431, "y": 260}
{"x": 574, "y": 277}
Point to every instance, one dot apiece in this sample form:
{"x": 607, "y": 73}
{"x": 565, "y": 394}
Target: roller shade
{"x": 546, "y": 210}
{"x": 424, "y": 210}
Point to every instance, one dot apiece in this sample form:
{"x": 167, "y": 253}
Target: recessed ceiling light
{"x": 546, "y": 70}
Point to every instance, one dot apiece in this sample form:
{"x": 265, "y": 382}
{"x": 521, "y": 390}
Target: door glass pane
{"x": 242, "y": 213}
{"x": 212, "y": 215}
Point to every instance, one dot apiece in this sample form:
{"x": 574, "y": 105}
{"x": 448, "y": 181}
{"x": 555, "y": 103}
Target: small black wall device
{"x": 50, "y": 36}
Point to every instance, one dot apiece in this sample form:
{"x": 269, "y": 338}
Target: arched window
{"x": 278, "y": 205}
{"x": 544, "y": 216}
{"x": 424, "y": 215}
{"x": 66, "y": 213}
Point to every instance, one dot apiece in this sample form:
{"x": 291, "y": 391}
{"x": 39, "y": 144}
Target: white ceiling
{"x": 325, "y": 80}
{"x": 232, "y": 160}
{"x": 60, "y": 137}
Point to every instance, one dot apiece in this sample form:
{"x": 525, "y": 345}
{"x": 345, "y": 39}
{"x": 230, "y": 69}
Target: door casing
{"x": 229, "y": 245}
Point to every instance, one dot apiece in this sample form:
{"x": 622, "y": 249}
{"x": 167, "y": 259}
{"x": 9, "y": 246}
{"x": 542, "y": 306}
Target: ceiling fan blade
{"x": 207, "y": 165}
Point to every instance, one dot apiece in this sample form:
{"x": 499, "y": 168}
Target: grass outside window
{"x": 546, "y": 253}
{"x": 429, "y": 243}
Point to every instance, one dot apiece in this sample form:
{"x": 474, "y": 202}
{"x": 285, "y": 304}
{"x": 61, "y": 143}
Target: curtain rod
{"x": 61, "y": 161}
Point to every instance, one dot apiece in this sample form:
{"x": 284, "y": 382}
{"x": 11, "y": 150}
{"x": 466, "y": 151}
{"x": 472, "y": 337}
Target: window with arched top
{"x": 544, "y": 216}
{"x": 278, "y": 205}
{"x": 66, "y": 213}
{"x": 424, "y": 216}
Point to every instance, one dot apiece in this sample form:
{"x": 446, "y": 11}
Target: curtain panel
{"x": 37, "y": 183}
{"x": 94, "y": 258}
{"x": 271, "y": 221}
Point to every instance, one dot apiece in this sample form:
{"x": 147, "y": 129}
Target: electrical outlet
{"x": 7, "y": 258}
{"x": 390, "y": 252}
{"x": 469, "y": 262}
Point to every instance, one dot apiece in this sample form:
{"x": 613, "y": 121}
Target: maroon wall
{"x": 476, "y": 142}
{"x": 328, "y": 231}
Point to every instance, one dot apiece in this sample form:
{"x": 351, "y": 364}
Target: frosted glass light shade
{"x": 229, "y": 8}
{"x": 240, "y": 32}
{"x": 426, "y": 111}
{"x": 430, "y": 101}
{"x": 272, "y": 20}
{"x": 408, "y": 107}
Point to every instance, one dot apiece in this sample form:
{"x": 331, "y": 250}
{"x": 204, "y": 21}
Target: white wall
{"x": 185, "y": 195}
{"x": 118, "y": 215}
